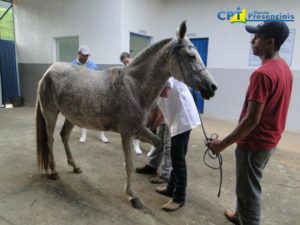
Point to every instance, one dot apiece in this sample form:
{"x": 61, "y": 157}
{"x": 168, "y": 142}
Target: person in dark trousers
{"x": 181, "y": 116}
{"x": 262, "y": 120}
{"x": 159, "y": 159}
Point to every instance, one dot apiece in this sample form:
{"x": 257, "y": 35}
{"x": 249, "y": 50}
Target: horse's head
{"x": 187, "y": 65}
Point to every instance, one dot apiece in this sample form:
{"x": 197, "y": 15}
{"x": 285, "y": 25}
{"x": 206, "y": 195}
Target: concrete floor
{"x": 96, "y": 196}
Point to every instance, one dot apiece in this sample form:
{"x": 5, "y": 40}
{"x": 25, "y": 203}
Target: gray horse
{"x": 117, "y": 99}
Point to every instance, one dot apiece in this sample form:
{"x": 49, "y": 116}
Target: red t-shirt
{"x": 271, "y": 85}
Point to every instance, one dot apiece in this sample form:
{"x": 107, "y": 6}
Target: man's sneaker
{"x": 82, "y": 139}
{"x": 103, "y": 138}
{"x": 136, "y": 147}
{"x": 138, "y": 150}
{"x": 146, "y": 169}
{"x": 158, "y": 180}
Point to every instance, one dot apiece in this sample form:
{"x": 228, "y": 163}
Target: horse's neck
{"x": 151, "y": 71}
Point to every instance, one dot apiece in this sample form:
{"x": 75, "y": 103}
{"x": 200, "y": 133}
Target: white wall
{"x": 96, "y": 22}
{"x": 228, "y": 50}
{"x": 142, "y": 17}
{"x": 229, "y": 44}
{"x": 104, "y": 25}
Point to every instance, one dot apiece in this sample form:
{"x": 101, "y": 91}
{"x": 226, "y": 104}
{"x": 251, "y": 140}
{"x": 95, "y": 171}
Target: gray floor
{"x": 97, "y": 197}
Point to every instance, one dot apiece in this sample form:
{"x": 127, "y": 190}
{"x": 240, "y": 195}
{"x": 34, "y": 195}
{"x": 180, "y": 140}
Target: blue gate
{"x": 201, "y": 45}
{"x": 8, "y": 71}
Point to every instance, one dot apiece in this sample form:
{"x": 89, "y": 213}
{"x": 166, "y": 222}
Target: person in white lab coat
{"x": 181, "y": 115}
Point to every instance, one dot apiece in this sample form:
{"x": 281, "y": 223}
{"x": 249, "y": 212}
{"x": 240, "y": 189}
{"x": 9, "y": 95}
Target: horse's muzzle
{"x": 206, "y": 89}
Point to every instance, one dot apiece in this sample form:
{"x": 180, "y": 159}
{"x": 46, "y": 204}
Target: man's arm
{"x": 247, "y": 124}
{"x": 156, "y": 115}
{"x": 165, "y": 93}
{"x": 158, "y": 119}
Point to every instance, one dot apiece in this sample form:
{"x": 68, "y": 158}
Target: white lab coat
{"x": 179, "y": 109}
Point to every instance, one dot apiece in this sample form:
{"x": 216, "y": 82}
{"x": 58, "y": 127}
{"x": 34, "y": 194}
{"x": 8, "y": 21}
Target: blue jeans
{"x": 249, "y": 168}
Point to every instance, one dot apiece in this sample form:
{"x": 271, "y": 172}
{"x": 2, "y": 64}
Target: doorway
{"x": 201, "y": 45}
{"x": 138, "y": 43}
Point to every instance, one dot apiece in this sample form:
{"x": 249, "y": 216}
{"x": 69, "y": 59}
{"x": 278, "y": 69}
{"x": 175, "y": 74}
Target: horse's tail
{"x": 42, "y": 148}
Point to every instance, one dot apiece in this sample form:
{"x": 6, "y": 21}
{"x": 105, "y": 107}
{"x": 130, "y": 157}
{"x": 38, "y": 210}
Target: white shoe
{"x": 83, "y": 135}
{"x": 151, "y": 151}
{"x": 82, "y": 139}
{"x": 138, "y": 151}
{"x": 136, "y": 147}
{"x": 103, "y": 138}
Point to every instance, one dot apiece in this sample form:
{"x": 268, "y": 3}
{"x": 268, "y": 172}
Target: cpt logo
{"x": 238, "y": 16}
{"x": 242, "y": 16}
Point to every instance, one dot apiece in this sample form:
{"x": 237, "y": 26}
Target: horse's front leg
{"x": 126, "y": 143}
{"x": 146, "y": 135}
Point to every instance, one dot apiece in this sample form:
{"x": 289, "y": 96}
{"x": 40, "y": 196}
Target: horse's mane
{"x": 149, "y": 51}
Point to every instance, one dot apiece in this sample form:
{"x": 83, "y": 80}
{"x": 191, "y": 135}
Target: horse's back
{"x": 62, "y": 70}
{"x": 64, "y": 77}
{"x": 78, "y": 93}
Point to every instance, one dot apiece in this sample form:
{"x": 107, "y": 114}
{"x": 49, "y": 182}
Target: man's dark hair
{"x": 277, "y": 42}
{"x": 124, "y": 55}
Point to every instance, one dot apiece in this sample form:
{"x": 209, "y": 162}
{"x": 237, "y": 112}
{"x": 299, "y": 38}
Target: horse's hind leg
{"x": 65, "y": 135}
{"x": 50, "y": 119}
{"x": 126, "y": 143}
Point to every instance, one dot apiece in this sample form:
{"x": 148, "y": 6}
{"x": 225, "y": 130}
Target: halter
{"x": 175, "y": 49}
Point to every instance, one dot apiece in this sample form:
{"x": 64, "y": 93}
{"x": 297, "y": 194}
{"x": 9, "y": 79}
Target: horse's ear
{"x": 181, "y": 31}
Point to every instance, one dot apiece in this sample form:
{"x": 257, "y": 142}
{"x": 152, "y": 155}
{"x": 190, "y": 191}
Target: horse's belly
{"x": 92, "y": 121}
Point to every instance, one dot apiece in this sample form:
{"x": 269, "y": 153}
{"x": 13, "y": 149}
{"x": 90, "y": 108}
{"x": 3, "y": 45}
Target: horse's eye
{"x": 192, "y": 57}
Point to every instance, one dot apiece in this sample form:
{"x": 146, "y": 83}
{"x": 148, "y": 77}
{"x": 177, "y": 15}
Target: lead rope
{"x": 211, "y": 155}
{"x": 208, "y": 152}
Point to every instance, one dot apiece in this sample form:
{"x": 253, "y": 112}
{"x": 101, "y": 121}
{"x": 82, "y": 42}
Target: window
{"x": 138, "y": 43}
{"x": 66, "y": 48}
{"x": 6, "y": 21}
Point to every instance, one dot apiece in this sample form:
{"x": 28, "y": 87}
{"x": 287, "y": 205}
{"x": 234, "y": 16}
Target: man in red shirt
{"x": 262, "y": 120}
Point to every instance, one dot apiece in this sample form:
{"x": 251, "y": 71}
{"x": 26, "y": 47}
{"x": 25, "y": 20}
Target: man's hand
{"x": 216, "y": 146}
{"x": 155, "y": 118}
{"x": 245, "y": 127}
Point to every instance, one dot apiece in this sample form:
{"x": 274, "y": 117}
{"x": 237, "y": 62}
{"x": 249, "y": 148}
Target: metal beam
{"x": 6, "y": 12}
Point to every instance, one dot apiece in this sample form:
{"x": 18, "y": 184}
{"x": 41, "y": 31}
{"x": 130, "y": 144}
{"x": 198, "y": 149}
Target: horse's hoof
{"x": 53, "y": 176}
{"x": 77, "y": 170}
{"x": 136, "y": 203}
